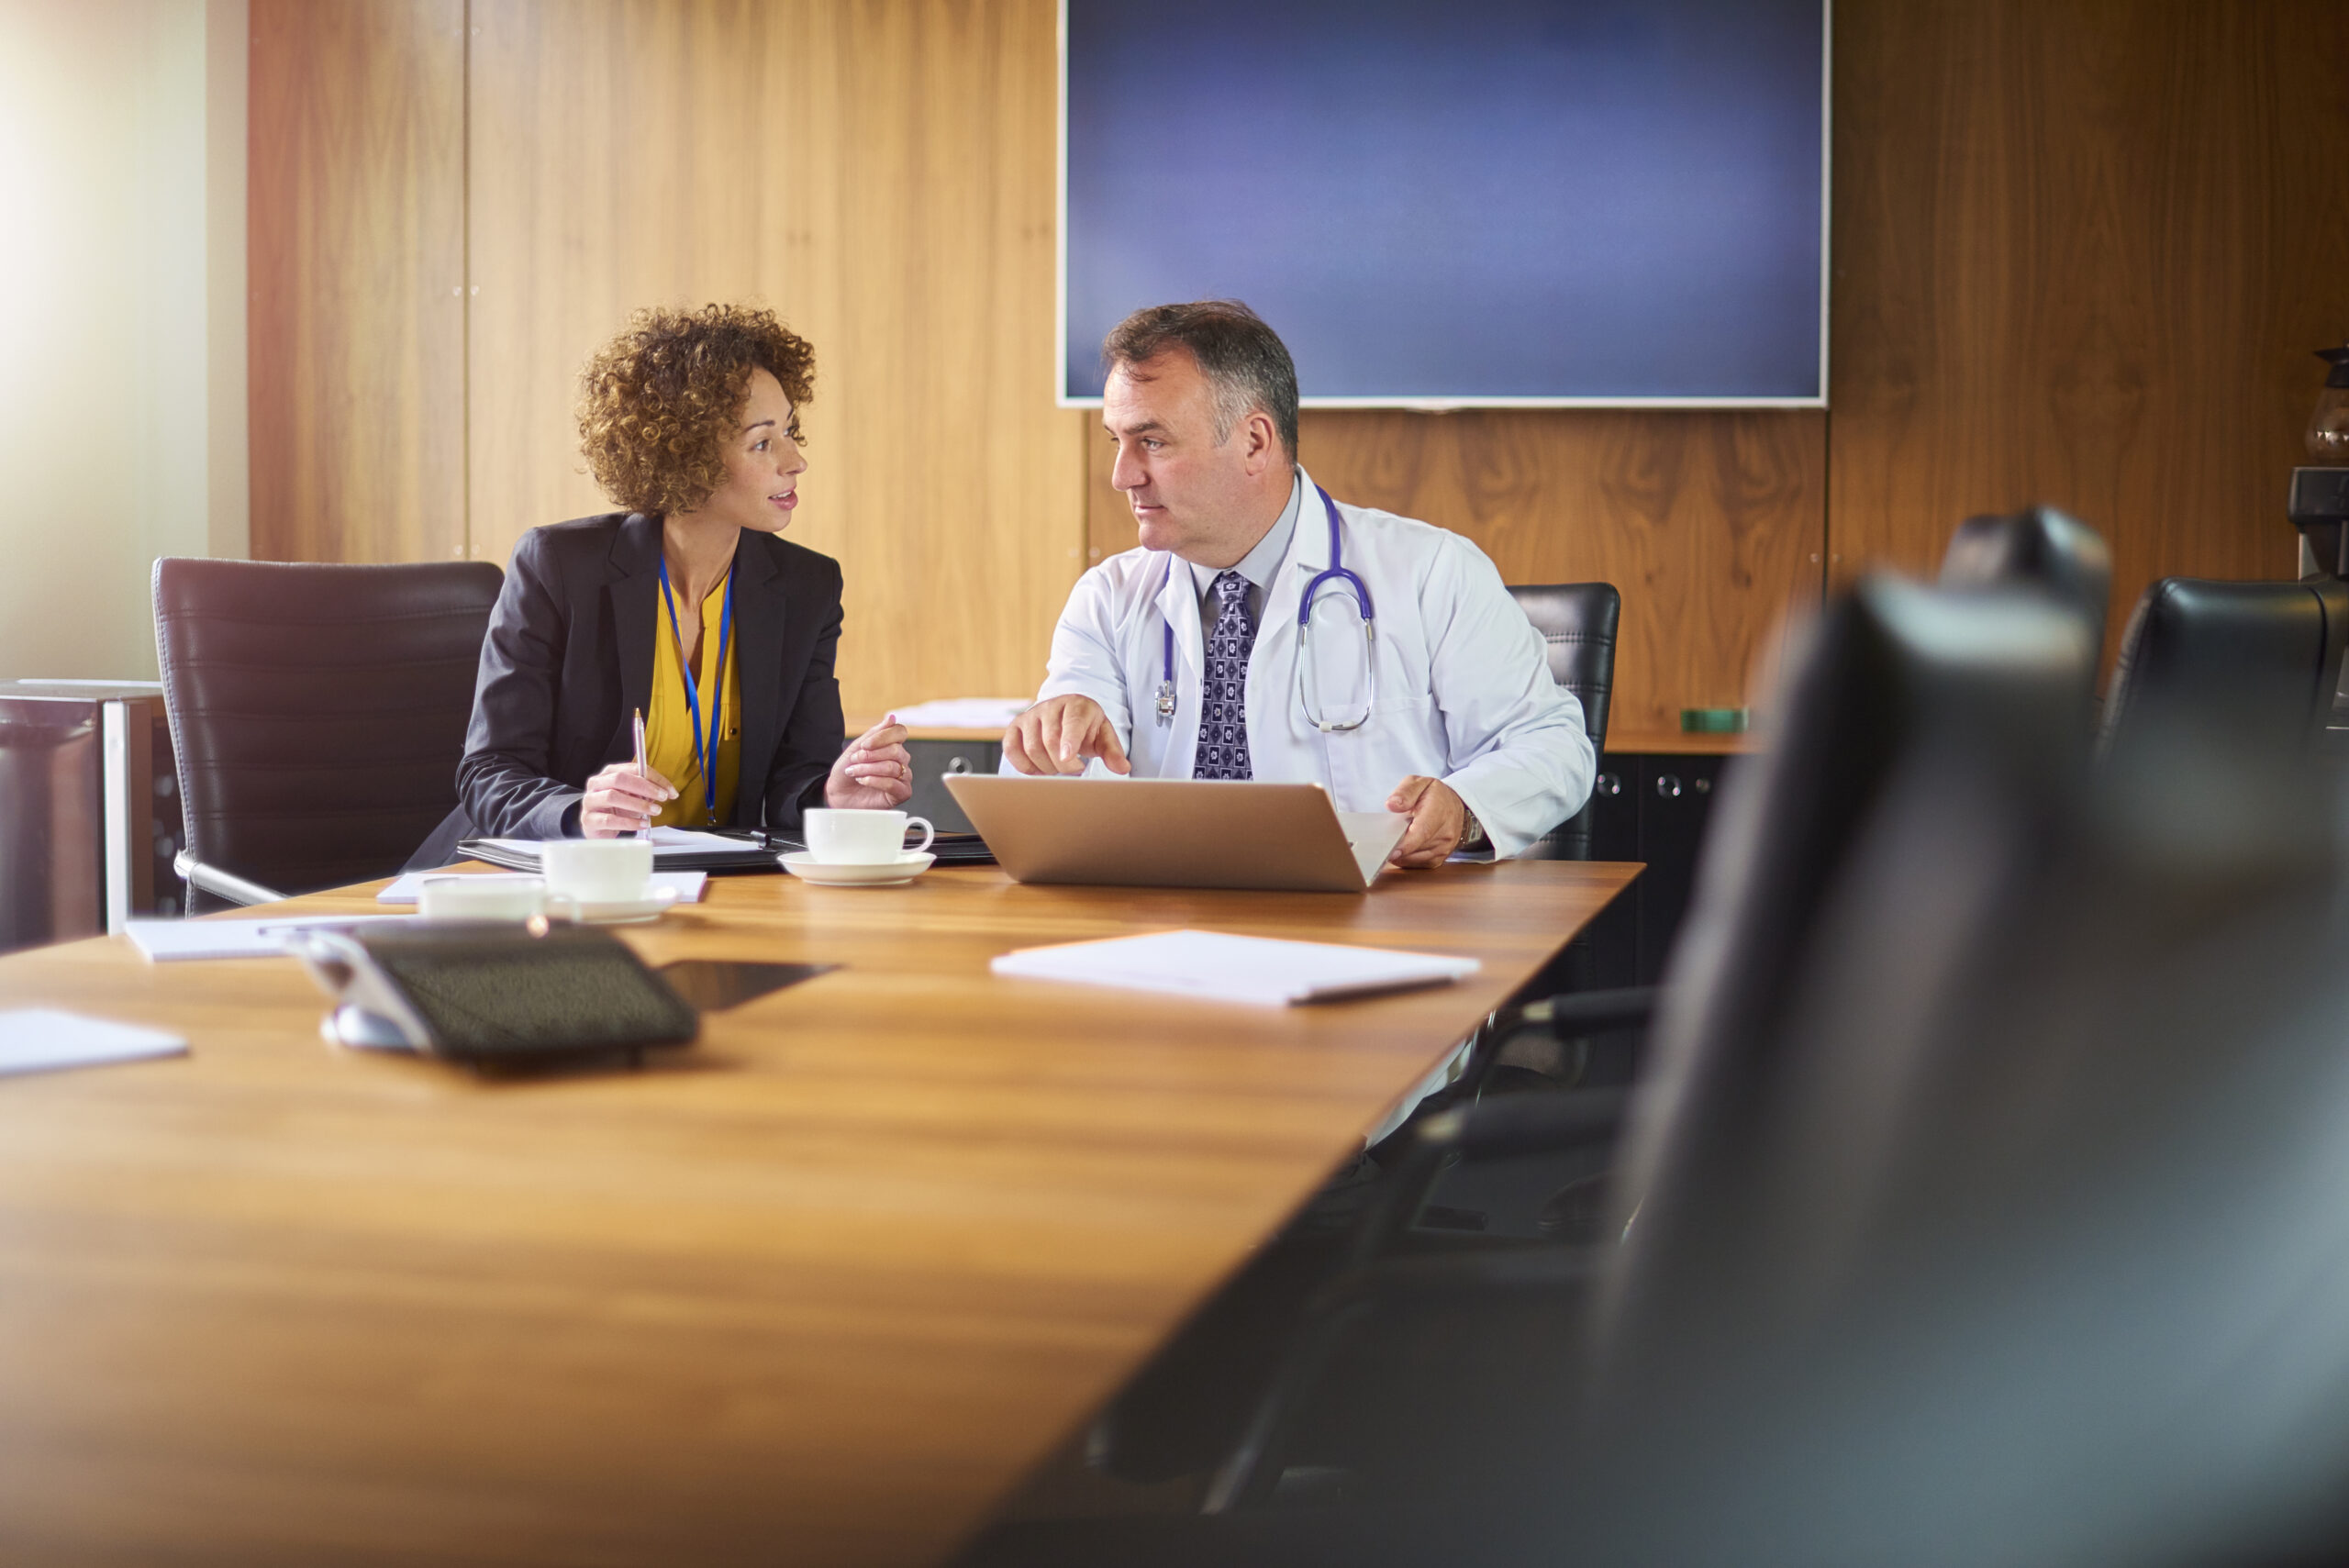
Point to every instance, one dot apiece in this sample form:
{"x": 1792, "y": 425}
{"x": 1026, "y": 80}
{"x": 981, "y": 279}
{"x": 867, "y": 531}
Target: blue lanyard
{"x": 705, "y": 758}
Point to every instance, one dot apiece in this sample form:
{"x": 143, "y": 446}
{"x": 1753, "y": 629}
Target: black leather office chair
{"x": 2037, "y": 547}
{"x": 318, "y": 714}
{"x": 2259, "y": 661}
{"x": 1577, "y": 620}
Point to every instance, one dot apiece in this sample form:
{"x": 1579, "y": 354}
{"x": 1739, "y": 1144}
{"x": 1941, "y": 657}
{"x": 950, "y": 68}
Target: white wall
{"x": 122, "y": 336}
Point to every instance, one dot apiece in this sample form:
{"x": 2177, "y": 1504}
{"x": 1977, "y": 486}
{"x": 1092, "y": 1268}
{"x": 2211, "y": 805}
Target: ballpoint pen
{"x": 647, "y": 830}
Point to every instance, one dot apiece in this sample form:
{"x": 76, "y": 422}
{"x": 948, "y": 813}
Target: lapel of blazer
{"x": 762, "y": 596}
{"x": 632, "y": 590}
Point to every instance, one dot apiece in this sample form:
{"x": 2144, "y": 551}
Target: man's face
{"x": 1189, "y": 494}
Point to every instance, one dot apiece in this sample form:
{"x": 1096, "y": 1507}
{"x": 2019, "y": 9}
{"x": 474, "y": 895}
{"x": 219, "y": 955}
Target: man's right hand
{"x": 619, "y": 802}
{"x": 1059, "y": 734}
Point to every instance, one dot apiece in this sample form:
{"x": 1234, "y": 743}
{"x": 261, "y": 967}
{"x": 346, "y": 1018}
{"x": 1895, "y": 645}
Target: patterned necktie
{"x": 1223, "y": 705}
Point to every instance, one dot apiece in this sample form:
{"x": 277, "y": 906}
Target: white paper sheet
{"x": 39, "y": 1040}
{"x": 690, "y": 884}
{"x": 1217, "y": 966}
{"x": 169, "y": 942}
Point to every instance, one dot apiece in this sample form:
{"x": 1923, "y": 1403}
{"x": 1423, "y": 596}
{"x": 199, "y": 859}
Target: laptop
{"x": 1177, "y": 833}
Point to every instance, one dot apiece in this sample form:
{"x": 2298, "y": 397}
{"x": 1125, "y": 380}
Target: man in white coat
{"x": 1183, "y": 658}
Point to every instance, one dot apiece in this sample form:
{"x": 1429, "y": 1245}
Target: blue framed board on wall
{"x": 1490, "y": 203}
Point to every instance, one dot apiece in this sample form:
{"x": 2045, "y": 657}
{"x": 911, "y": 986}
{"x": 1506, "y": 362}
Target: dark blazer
{"x": 568, "y": 659}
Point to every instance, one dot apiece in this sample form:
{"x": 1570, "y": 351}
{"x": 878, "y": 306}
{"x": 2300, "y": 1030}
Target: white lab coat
{"x": 1464, "y": 691}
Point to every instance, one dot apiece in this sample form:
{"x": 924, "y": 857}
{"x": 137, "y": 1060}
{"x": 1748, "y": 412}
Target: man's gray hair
{"x": 1246, "y": 363}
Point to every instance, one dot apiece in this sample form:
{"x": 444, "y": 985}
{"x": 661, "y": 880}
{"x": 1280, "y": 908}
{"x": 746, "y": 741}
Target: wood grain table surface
{"x": 817, "y": 1290}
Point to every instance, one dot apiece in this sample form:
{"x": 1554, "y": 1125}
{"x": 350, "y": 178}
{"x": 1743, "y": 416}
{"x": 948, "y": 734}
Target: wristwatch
{"x": 1471, "y": 836}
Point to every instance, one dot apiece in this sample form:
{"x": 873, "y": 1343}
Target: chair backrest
{"x": 318, "y": 712}
{"x": 1890, "y": 673}
{"x": 1578, "y": 621}
{"x": 2262, "y": 659}
{"x": 2037, "y": 547}
{"x": 2041, "y": 1257}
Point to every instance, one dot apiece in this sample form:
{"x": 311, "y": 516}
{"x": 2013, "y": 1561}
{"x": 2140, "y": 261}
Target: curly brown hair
{"x": 657, "y": 403}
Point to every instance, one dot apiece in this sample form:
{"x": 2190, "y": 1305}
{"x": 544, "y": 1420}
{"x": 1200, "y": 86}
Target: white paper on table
{"x": 690, "y": 884}
{"x": 963, "y": 713}
{"x": 168, "y": 941}
{"x": 1218, "y": 967}
{"x": 37, "y": 1040}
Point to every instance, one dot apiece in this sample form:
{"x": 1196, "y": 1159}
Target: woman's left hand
{"x": 875, "y": 773}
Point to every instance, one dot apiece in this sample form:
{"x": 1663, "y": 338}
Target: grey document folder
{"x": 1177, "y": 833}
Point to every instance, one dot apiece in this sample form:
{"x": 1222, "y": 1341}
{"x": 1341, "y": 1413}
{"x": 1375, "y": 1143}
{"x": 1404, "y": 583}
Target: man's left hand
{"x": 875, "y": 773}
{"x": 1438, "y": 819}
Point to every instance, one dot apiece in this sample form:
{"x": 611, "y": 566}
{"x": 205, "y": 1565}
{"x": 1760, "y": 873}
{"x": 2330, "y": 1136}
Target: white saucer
{"x": 618, "y": 911}
{"x": 886, "y": 873}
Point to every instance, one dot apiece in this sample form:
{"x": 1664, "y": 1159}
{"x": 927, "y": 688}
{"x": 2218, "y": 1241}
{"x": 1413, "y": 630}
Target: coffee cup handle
{"x": 928, "y": 833}
{"x": 574, "y": 908}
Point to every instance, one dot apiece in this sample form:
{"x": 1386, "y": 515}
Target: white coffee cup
{"x": 597, "y": 871}
{"x": 481, "y": 897}
{"x": 840, "y": 838}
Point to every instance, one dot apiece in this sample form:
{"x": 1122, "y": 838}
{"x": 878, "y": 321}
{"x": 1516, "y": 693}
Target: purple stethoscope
{"x": 1308, "y": 694}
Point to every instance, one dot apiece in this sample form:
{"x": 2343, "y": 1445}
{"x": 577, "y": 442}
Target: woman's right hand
{"x": 621, "y": 801}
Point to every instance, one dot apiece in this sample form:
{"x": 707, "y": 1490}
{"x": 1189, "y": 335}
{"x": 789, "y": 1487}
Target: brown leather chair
{"x": 318, "y": 714}
{"x": 1577, "y": 620}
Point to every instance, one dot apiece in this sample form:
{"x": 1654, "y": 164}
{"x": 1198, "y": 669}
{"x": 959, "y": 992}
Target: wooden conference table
{"x": 818, "y": 1290}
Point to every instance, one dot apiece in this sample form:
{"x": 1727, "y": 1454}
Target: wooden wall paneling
{"x": 882, "y": 175}
{"x": 1707, "y": 523}
{"x": 2082, "y": 251}
{"x": 355, "y": 240}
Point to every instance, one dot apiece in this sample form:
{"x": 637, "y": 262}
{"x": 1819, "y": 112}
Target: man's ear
{"x": 1263, "y": 447}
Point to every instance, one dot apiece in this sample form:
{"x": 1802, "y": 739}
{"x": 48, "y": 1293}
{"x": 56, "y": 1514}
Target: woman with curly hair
{"x": 687, "y": 605}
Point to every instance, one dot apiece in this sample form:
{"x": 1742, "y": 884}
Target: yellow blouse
{"x": 669, "y": 724}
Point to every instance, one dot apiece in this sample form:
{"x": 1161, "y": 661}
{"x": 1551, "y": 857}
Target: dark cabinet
{"x": 1650, "y": 808}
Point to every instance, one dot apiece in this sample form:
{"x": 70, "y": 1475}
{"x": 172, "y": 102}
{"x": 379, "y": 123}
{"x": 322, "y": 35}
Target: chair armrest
{"x": 222, "y": 884}
{"x": 1580, "y": 1012}
{"x": 1528, "y": 1124}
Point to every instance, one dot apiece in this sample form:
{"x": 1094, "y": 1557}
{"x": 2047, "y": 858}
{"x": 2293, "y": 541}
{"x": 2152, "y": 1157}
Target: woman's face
{"x": 763, "y": 462}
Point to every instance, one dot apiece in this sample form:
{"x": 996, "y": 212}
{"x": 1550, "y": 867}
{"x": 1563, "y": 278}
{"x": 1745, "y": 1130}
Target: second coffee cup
{"x": 845, "y": 837}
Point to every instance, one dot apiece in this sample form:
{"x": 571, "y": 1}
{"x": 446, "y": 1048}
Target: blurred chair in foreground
{"x": 2029, "y": 1247}
{"x": 2258, "y": 663}
{"x": 318, "y": 714}
{"x": 2040, "y": 547}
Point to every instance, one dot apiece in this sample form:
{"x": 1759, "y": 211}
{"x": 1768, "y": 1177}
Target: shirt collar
{"x": 1259, "y": 565}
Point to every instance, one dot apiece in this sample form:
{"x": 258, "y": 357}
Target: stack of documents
{"x": 1216, "y": 967}
{"x": 963, "y": 713}
{"x": 39, "y": 1039}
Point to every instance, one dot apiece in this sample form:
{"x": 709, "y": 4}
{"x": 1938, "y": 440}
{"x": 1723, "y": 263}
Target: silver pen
{"x": 646, "y": 831}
